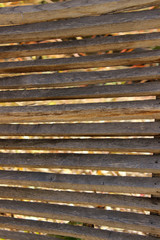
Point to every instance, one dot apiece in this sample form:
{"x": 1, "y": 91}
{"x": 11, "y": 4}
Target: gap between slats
{"x": 104, "y": 60}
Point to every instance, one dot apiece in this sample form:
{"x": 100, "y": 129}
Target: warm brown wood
{"x": 111, "y": 162}
{"x": 23, "y": 236}
{"x": 94, "y": 199}
{"x": 132, "y": 221}
{"x": 81, "y": 62}
{"x": 3, "y": 1}
{"x": 67, "y": 230}
{"x": 124, "y": 90}
{"x": 85, "y": 45}
{"x": 112, "y": 145}
{"x": 85, "y": 26}
{"x": 82, "y": 129}
{"x": 79, "y": 78}
{"x": 82, "y": 112}
{"x": 142, "y": 185}
{"x": 68, "y": 9}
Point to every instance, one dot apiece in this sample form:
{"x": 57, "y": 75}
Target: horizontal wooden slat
{"x": 130, "y": 90}
{"x": 71, "y": 9}
{"x": 68, "y": 230}
{"x": 112, "y": 162}
{"x": 85, "y": 26}
{"x": 4, "y": 1}
{"x": 132, "y": 221}
{"x": 94, "y": 199}
{"x": 82, "y": 129}
{"x": 79, "y": 78}
{"x": 115, "y": 145}
{"x": 141, "y": 185}
{"x": 24, "y": 236}
{"x": 79, "y": 46}
{"x": 104, "y": 60}
{"x": 80, "y": 112}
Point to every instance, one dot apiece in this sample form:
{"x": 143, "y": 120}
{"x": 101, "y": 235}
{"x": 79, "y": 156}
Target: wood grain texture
{"x": 147, "y": 109}
{"x": 67, "y": 9}
{"x": 68, "y": 230}
{"x": 112, "y": 145}
{"x": 79, "y": 78}
{"x": 142, "y": 185}
{"x": 116, "y": 59}
{"x": 124, "y": 90}
{"x": 79, "y": 46}
{"x": 146, "y": 223}
{"x": 24, "y": 236}
{"x": 4, "y": 1}
{"x": 111, "y": 162}
{"x": 82, "y": 129}
{"x": 93, "y": 199}
{"x": 84, "y": 26}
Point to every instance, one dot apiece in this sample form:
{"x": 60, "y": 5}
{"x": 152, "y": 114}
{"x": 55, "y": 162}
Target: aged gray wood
{"x": 146, "y": 223}
{"x": 94, "y": 199}
{"x": 84, "y": 26}
{"x": 148, "y": 109}
{"x": 67, "y": 9}
{"x": 112, "y": 145}
{"x": 82, "y": 129}
{"x": 85, "y": 45}
{"x": 146, "y": 185}
{"x": 104, "y": 60}
{"x": 67, "y": 230}
{"x": 79, "y": 78}
{"x": 111, "y": 162}
{"x": 124, "y": 90}
{"x": 24, "y": 236}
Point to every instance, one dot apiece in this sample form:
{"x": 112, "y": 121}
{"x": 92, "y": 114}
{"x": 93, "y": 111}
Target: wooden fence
{"x": 79, "y": 125}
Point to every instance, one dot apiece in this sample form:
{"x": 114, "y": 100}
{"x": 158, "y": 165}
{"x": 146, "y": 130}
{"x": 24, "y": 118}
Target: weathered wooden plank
{"x": 3, "y": 1}
{"x": 85, "y": 45}
{"x": 94, "y": 199}
{"x": 24, "y": 236}
{"x": 79, "y": 78}
{"x": 124, "y": 90}
{"x": 82, "y": 129}
{"x": 132, "y": 221}
{"x": 84, "y": 26}
{"x": 111, "y": 162}
{"x": 68, "y": 9}
{"x": 113, "y": 145}
{"x": 94, "y": 162}
{"x": 80, "y": 112}
{"x": 104, "y": 60}
{"x": 68, "y": 230}
{"x": 146, "y": 185}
